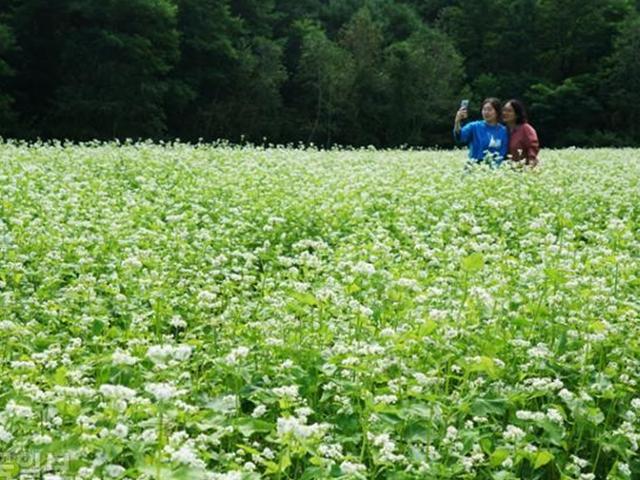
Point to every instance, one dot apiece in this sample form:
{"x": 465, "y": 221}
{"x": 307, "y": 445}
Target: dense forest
{"x": 349, "y": 72}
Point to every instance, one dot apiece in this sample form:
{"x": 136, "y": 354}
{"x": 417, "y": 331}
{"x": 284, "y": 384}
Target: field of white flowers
{"x": 199, "y": 312}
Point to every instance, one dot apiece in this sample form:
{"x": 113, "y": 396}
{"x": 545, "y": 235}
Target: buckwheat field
{"x": 208, "y": 312}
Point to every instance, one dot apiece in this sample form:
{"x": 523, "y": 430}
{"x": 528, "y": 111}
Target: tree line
{"x": 350, "y": 72}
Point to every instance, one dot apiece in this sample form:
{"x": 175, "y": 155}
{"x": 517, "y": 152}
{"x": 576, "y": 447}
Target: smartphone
{"x": 464, "y": 103}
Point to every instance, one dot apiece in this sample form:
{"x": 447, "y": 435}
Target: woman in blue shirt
{"x": 488, "y": 139}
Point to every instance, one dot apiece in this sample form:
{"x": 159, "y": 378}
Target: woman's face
{"x": 508, "y": 114}
{"x": 489, "y": 113}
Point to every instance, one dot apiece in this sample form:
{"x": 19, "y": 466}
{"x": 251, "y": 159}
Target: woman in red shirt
{"x": 523, "y": 139}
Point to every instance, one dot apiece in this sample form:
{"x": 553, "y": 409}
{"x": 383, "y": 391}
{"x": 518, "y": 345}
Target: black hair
{"x": 518, "y": 108}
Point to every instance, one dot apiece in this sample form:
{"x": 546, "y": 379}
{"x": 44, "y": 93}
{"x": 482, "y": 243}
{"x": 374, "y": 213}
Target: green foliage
{"x": 114, "y": 67}
{"x": 368, "y": 89}
{"x": 623, "y": 78}
{"x": 424, "y": 77}
{"x": 327, "y": 71}
{"x": 103, "y": 65}
{"x": 208, "y": 31}
{"x": 573, "y": 36}
{"x": 572, "y": 104}
{"x": 357, "y": 72}
{"x": 7, "y": 44}
{"x": 363, "y": 38}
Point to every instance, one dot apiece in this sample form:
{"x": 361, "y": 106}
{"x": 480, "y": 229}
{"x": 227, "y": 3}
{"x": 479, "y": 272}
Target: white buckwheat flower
{"x": 120, "y": 357}
{"x": 5, "y": 436}
{"x": 22, "y": 411}
{"x": 259, "y": 411}
{"x": 349, "y": 468}
{"x": 162, "y": 391}
{"x": 114, "y": 470}
{"x": 117, "y": 392}
{"x": 364, "y": 268}
{"x": 290, "y": 391}
{"x": 235, "y": 355}
{"x": 513, "y": 433}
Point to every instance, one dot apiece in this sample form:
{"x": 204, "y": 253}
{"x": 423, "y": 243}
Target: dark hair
{"x": 496, "y": 104}
{"x": 518, "y": 108}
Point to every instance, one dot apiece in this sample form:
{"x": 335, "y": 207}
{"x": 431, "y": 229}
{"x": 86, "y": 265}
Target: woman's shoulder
{"x": 475, "y": 123}
{"x": 528, "y": 128}
{"x": 473, "y": 126}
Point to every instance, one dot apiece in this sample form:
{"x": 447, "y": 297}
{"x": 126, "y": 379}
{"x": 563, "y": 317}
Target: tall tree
{"x": 430, "y": 10}
{"x": 622, "y": 79}
{"x": 96, "y": 68}
{"x": 398, "y": 21}
{"x": 38, "y": 27}
{"x": 575, "y": 35}
{"x": 476, "y": 28}
{"x": 567, "y": 113}
{"x": 425, "y": 77}
{"x": 251, "y": 107}
{"x": 363, "y": 38}
{"x": 7, "y": 45}
{"x": 113, "y": 68}
{"x": 202, "y": 78}
{"x": 336, "y": 13}
{"x": 325, "y": 77}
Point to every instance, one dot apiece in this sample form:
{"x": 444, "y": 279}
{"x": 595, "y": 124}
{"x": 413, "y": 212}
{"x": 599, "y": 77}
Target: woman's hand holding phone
{"x": 461, "y": 114}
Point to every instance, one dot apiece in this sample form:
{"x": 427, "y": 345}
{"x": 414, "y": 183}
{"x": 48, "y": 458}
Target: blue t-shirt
{"x": 484, "y": 139}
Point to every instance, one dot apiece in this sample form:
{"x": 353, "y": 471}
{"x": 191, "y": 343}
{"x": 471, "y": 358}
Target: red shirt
{"x": 524, "y": 145}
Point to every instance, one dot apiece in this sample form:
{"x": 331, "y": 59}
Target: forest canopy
{"x": 350, "y": 72}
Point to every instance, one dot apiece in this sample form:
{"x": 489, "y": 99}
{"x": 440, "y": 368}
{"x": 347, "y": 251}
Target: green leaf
{"x": 416, "y": 432}
{"x": 221, "y": 404}
{"x": 555, "y": 432}
{"x": 285, "y": 462}
{"x": 248, "y": 426}
{"x": 60, "y": 376}
{"x": 158, "y": 472}
{"x": 68, "y": 409}
{"x": 352, "y": 288}
{"x": 185, "y": 473}
{"x": 428, "y": 327}
{"x": 564, "y": 221}
{"x": 504, "y": 475}
{"x": 248, "y": 449}
{"x": 473, "y": 263}
{"x": 542, "y": 458}
{"x": 305, "y": 298}
{"x": 555, "y": 275}
{"x": 390, "y": 417}
{"x": 499, "y": 456}
{"x": 484, "y": 365}
{"x": 399, "y": 476}
{"x": 486, "y": 445}
{"x": 482, "y": 407}
{"x": 595, "y": 415}
{"x": 417, "y": 454}
{"x": 97, "y": 327}
{"x": 272, "y": 467}
{"x": 10, "y": 469}
{"x": 419, "y": 410}
{"x": 313, "y": 473}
